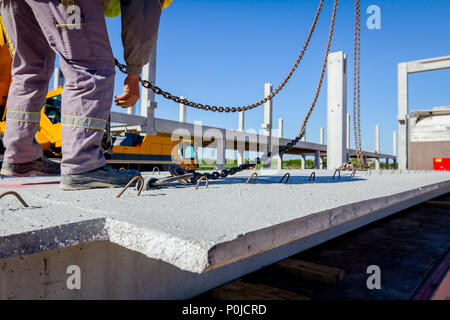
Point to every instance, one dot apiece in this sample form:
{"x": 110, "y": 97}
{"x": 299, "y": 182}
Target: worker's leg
{"x": 80, "y": 37}
{"x": 32, "y": 67}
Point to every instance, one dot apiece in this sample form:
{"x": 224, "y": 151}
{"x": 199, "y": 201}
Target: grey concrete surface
{"x": 200, "y": 230}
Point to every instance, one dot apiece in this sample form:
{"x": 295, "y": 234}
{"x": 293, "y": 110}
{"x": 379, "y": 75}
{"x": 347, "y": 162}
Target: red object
{"x": 441, "y": 164}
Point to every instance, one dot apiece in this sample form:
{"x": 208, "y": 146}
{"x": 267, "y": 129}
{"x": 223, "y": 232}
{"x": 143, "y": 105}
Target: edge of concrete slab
{"x": 282, "y": 234}
{"x": 199, "y": 257}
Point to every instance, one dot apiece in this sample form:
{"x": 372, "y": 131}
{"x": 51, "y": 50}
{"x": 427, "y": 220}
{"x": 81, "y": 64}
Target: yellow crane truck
{"x": 130, "y": 150}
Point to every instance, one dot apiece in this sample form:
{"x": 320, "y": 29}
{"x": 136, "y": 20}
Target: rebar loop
{"x": 337, "y": 171}
{"x": 16, "y": 195}
{"x": 313, "y": 176}
{"x": 156, "y": 169}
{"x": 353, "y": 173}
{"x": 288, "y": 175}
{"x": 254, "y": 174}
{"x": 200, "y": 180}
{"x": 139, "y": 185}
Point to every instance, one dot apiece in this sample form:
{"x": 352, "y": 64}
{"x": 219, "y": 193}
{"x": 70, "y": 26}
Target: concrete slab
{"x": 200, "y": 230}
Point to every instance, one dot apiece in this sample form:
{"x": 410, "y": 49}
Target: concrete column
{"x": 322, "y": 136}
{"x": 347, "y": 125}
{"x": 182, "y": 112}
{"x": 241, "y": 148}
{"x": 348, "y": 130}
{"x": 148, "y": 103}
{"x": 267, "y": 125}
{"x": 221, "y": 152}
{"x": 304, "y": 137}
{"x": 58, "y": 78}
{"x": 402, "y": 116}
{"x": 336, "y": 109}
{"x": 377, "y": 146}
{"x": 317, "y": 159}
{"x": 387, "y": 163}
{"x": 303, "y": 158}
{"x": 394, "y": 148}
{"x": 280, "y": 135}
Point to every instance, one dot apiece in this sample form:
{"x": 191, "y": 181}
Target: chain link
{"x": 224, "y": 173}
{"x": 357, "y": 86}
{"x": 148, "y": 85}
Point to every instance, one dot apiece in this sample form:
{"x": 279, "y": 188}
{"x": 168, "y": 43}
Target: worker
{"x": 36, "y": 30}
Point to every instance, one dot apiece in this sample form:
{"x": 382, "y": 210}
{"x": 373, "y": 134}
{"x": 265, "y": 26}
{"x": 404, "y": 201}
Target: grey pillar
{"x": 221, "y": 152}
{"x": 402, "y": 116}
{"x": 58, "y": 78}
{"x": 280, "y": 135}
{"x": 394, "y": 148}
{"x": 267, "y": 125}
{"x": 322, "y": 136}
{"x": 148, "y": 103}
{"x": 182, "y": 112}
{"x": 336, "y": 110}
{"x": 317, "y": 159}
{"x": 303, "y": 158}
{"x": 377, "y": 146}
{"x": 347, "y": 125}
{"x": 241, "y": 146}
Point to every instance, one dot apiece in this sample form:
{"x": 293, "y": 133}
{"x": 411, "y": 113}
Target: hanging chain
{"x": 290, "y": 145}
{"x": 177, "y": 171}
{"x": 148, "y": 85}
{"x": 356, "y": 86}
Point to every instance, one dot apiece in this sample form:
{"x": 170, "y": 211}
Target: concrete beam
{"x": 426, "y": 65}
{"x": 336, "y": 109}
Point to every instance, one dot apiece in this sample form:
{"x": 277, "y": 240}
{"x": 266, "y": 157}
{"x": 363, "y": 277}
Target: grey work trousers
{"x": 37, "y": 30}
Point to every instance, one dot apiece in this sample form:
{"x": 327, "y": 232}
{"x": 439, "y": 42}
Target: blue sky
{"x": 222, "y": 52}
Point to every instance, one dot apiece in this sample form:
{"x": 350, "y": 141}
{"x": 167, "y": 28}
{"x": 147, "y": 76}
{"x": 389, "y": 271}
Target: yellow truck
{"x": 130, "y": 150}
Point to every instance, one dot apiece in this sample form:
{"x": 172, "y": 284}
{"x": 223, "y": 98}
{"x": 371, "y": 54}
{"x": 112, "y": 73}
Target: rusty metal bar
{"x": 140, "y": 186}
{"x": 16, "y": 195}
{"x": 254, "y": 174}
{"x": 200, "y": 180}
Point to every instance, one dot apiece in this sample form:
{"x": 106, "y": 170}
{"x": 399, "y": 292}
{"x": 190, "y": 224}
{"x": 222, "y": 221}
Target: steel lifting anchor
{"x": 16, "y": 195}
{"x": 254, "y": 174}
{"x": 288, "y": 175}
{"x": 139, "y": 186}
{"x": 337, "y": 171}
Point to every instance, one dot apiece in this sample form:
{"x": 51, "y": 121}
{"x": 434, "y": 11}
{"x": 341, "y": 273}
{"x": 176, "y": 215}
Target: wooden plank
{"x": 311, "y": 271}
{"x": 242, "y": 290}
{"x": 439, "y": 204}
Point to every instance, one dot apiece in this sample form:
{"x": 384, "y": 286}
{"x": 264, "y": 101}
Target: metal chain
{"x": 148, "y": 85}
{"x": 357, "y": 86}
{"x": 224, "y": 173}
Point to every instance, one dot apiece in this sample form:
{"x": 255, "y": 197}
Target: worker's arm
{"x": 140, "y": 24}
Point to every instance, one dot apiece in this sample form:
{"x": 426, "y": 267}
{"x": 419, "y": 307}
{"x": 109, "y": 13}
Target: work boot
{"x": 104, "y": 177}
{"x": 39, "y": 167}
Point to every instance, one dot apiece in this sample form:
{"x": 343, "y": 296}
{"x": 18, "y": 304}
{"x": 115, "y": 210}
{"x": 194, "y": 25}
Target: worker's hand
{"x": 130, "y": 94}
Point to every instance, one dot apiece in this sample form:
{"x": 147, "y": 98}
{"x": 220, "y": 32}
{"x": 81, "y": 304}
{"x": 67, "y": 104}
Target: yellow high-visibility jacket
{"x": 113, "y": 9}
